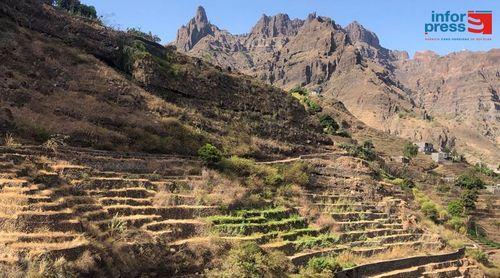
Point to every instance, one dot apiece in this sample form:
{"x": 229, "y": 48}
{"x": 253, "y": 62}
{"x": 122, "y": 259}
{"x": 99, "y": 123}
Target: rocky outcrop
{"x": 196, "y": 29}
{"x": 274, "y": 26}
{"x": 358, "y": 33}
{"x": 383, "y": 88}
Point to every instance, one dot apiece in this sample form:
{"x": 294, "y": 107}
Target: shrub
{"x": 74, "y": 6}
{"x": 343, "y": 133}
{"x": 299, "y": 90}
{"x": 328, "y": 123}
{"x": 321, "y": 266}
{"x": 429, "y": 209}
{"x": 478, "y": 255}
{"x": 443, "y": 188}
{"x": 483, "y": 168}
{"x": 249, "y": 260}
{"x": 365, "y": 152}
{"x": 210, "y": 154}
{"x": 410, "y": 150}
{"x": 297, "y": 173}
{"x": 468, "y": 199}
{"x": 456, "y": 208}
{"x": 10, "y": 141}
{"x": 458, "y": 224}
{"x": 469, "y": 181}
{"x": 311, "y": 106}
{"x": 130, "y": 51}
{"x": 148, "y": 36}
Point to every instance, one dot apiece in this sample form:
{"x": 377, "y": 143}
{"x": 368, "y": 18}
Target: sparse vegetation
{"x": 75, "y": 7}
{"x": 302, "y": 95}
{"x": 330, "y": 126}
{"x": 410, "y": 150}
{"x": 470, "y": 181}
{"x": 456, "y": 208}
{"x": 249, "y": 260}
{"x": 321, "y": 267}
{"x": 10, "y": 141}
{"x": 366, "y": 151}
{"x": 210, "y": 154}
{"x": 148, "y": 36}
{"x": 484, "y": 169}
{"x": 478, "y": 255}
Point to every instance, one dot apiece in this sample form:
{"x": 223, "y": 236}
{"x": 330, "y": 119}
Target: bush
{"x": 366, "y": 151}
{"x": 410, "y": 150}
{"x": 343, "y": 133}
{"x": 470, "y": 181}
{"x": 297, "y": 173}
{"x": 429, "y": 209}
{"x": 478, "y": 255}
{"x": 299, "y": 90}
{"x": 328, "y": 123}
{"x": 322, "y": 265}
{"x": 148, "y": 36}
{"x": 74, "y": 6}
{"x": 302, "y": 96}
{"x": 468, "y": 199}
{"x": 249, "y": 260}
{"x": 483, "y": 168}
{"x": 210, "y": 154}
{"x": 407, "y": 183}
{"x": 458, "y": 224}
{"x": 456, "y": 208}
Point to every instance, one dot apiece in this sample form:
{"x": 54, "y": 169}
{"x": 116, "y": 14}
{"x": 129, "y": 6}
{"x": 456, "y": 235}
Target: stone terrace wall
{"x": 386, "y": 266}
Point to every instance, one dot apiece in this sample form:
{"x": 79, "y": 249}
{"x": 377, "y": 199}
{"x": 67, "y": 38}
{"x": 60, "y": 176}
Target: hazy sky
{"x": 399, "y": 24}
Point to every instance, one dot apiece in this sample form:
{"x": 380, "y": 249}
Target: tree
{"x": 69, "y": 5}
{"x": 74, "y": 6}
{"x": 410, "y": 150}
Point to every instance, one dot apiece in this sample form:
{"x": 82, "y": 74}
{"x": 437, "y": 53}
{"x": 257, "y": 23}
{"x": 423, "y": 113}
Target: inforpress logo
{"x": 480, "y": 22}
{"x": 473, "y": 23}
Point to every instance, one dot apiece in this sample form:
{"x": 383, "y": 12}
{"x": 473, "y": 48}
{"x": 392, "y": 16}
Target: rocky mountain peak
{"x": 274, "y": 26}
{"x": 196, "y": 29}
{"x": 358, "y": 33}
{"x": 201, "y": 16}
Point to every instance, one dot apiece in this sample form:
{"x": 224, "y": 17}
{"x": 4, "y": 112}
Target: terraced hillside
{"x": 81, "y": 205}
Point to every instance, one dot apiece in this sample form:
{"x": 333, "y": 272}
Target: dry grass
{"x": 10, "y": 141}
{"x": 216, "y": 189}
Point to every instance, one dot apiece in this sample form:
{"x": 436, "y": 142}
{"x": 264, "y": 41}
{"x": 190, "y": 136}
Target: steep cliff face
{"x": 381, "y": 87}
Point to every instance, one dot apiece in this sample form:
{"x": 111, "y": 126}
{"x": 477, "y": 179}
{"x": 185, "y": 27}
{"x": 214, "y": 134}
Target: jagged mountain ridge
{"x": 376, "y": 84}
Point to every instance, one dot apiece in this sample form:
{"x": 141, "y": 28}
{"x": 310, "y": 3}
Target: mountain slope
{"x": 379, "y": 86}
{"x": 116, "y": 91}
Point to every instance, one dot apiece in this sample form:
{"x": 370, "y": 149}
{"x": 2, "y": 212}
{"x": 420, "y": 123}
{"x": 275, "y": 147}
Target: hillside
{"x": 121, "y": 157}
{"x": 118, "y": 92}
{"x": 383, "y": 88}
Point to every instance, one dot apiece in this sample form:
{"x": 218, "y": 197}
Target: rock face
{"x": 358, "y": 33}
{"x": 195, "y": 30}
{"x": 383, "y": 88}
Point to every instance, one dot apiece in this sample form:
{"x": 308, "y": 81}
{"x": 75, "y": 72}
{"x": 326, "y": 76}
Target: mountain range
{"x": 451, "y": 101}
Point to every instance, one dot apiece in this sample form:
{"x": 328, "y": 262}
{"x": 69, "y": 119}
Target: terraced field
{"x": 59, "y": 204}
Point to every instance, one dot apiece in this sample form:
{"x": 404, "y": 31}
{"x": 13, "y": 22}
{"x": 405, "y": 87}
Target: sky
{"x": 399, "y": 24}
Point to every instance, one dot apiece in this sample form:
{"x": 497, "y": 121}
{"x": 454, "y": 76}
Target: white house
{"x": 440, "y": 157}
